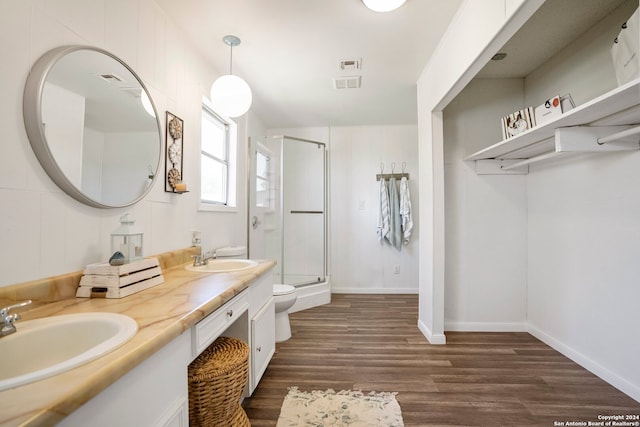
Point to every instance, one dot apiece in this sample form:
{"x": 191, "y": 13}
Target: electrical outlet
{"x": 396, "y": 269}
{"x": 362, "y": 205}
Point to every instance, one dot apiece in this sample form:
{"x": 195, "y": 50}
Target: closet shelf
{"x": 609, "y": 121}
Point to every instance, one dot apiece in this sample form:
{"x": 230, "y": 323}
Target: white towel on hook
{"x": 383, "y": 217}
{"x": 395, "y": 222}
{"x": 405, "y": 210}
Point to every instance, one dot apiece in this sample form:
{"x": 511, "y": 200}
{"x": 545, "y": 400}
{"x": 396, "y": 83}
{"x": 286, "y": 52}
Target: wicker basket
{"x": 217, "y": 378}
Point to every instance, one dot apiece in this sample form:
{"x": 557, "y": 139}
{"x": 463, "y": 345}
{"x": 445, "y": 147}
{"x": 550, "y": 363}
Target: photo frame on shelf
{"x": 517, "y": 122}
{"x": 173, "y": 154}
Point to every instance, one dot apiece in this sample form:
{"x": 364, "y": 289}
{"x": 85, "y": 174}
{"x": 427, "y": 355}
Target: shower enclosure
{"x": 288, "y": 207}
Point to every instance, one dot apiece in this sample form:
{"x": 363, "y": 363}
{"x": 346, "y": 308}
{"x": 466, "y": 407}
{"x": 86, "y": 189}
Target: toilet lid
{"x": 283, "y": 289}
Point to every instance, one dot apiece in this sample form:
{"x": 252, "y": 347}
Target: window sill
{"x": 206, "y": 207}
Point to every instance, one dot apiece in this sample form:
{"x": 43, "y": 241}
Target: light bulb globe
{"x": 383, "y": 5}
{"x": 146, "y": 103}
{"x": 231, "y": 96}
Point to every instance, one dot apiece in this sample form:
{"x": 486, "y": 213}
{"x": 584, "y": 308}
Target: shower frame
{"x": 325, "y": 222}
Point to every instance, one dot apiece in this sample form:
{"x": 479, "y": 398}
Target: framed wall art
{"x": 173, "y": 154}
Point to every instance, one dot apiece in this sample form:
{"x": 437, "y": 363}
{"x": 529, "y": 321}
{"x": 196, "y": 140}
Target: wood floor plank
{"x": 372, "y": 343}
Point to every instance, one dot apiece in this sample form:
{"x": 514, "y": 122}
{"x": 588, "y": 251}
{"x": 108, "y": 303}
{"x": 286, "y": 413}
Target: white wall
{"x": 584, "y": 228}
{"x": 360, "y": 263}
{"x": 357, "y": 261}
{"x": 485, "y": 216}
{"x": 63, "y": 122}
{"x": 43, "y": 231}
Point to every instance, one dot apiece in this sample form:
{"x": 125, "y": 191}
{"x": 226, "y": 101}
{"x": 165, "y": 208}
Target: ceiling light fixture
{"x": 230, "y": 95}
{"x": 383, "y": 5}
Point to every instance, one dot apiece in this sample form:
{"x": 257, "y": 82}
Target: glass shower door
{"x": 303, "y": 211}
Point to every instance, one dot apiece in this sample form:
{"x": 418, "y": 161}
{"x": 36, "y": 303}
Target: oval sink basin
{"x": 48, "y": 346}
{"x": 223, "y": 265}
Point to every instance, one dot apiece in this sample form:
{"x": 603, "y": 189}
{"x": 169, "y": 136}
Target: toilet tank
{"x": 232, "y": 252}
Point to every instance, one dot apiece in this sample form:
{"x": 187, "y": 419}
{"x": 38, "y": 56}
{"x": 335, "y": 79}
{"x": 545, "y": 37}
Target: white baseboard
{"x": 312, "y": 296}
{"x": 485, "y": 326}
{"x": 432, "y": 338}
{"x": 374, "y": 290}
{"x": 618, "y": 382}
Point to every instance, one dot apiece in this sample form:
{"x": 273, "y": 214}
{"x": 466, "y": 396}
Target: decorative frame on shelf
{"x": 173, "y": 154}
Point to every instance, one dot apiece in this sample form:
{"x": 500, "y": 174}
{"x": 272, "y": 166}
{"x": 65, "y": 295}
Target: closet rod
{"x": 620, "y": 135}
{"x": 391, "y": 175}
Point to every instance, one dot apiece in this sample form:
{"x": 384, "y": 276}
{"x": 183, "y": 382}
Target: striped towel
{"x": 383, "y": 217}
{"x": 405, "y": 210}
{"x": 395, "y": 233}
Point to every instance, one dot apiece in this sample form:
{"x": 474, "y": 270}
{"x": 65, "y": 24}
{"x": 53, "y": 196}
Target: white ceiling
{"x": 556, "y": 24}
{"x": 290, "y": 51}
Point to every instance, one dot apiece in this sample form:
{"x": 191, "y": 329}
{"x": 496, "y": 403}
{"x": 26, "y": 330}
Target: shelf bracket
{"x": 597, "y": 139}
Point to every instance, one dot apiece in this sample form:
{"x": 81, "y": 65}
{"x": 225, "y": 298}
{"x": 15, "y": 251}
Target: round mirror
{"x": 92, "y": 126}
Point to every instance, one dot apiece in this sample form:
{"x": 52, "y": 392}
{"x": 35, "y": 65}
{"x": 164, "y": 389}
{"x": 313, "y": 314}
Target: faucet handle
{"x": 5, "y": 310}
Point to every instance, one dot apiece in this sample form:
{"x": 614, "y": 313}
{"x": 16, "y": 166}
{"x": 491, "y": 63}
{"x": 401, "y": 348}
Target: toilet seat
{"x": 279, "y": 290}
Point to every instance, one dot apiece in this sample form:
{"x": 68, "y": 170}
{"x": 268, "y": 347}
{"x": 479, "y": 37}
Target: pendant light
{"x": 383, "y": 5}
{"x": 230, "y": 95}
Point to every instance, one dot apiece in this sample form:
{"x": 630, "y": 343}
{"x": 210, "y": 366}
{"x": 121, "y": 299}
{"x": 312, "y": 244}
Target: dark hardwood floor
{"x": 372, "y": 343}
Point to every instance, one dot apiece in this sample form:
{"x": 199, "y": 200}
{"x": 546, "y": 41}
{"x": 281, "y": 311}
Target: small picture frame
{"x": 173, "y": 153}
{"x": 517, "y": 122}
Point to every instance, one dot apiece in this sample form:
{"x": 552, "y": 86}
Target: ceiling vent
{"x": 109, "y": 77}
{"x": 349, "y": 64}
{"x": 349, "y": 82}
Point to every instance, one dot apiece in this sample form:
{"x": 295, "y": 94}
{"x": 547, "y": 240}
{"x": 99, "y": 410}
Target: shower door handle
{"x": 307, "y": 212}
{"x": 255, "y": 221}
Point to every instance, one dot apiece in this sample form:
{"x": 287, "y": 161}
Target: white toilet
{"x": 232, "y": 252}
{"x": 284, "y": 297}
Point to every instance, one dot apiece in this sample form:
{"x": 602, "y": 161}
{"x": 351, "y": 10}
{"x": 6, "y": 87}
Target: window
{"x": 262, "y": 179}
{"x": 218, "y": 147}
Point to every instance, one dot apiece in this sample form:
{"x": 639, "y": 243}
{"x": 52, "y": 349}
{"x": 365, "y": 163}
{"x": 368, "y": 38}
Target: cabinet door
{"x": 263, "y": 342}
{"x": 153, "y": 394}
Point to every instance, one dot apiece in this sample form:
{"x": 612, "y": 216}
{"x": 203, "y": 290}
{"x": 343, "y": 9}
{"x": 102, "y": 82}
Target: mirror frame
{"x": 32, "y": 115}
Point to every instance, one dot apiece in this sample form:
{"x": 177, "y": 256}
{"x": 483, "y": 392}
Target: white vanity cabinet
{"x": 262, "y": 328}
{"x": 155, "y": 393}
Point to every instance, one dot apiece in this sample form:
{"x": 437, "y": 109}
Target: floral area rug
{"x": 341, "y": 409}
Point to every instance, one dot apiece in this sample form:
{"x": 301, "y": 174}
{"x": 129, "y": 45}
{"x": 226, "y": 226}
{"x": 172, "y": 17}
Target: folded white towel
{"x": 395, "y": 223}
{"x": 383, "y": 217}
{"x": 405, "y": 210}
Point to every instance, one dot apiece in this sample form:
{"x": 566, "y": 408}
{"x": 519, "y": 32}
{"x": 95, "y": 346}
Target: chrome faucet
{"x": 200, "y": 260}
{"x": 7, "y": 327}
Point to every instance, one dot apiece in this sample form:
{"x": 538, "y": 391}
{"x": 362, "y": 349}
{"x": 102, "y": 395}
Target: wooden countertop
{"x": 162, "y": 313}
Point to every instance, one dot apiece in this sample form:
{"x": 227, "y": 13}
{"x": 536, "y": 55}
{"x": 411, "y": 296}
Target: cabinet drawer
{"x": 212, "y": 326}
{"x": 263, "y": 339}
